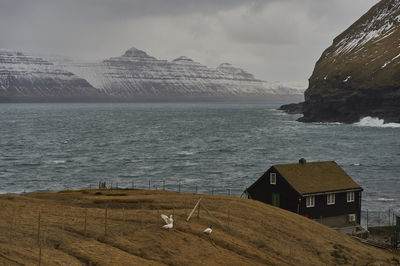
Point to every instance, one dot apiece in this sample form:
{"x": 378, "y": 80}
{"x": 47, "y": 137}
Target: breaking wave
{"x": 375, "y": 122}
{"x": 385, "y": 199}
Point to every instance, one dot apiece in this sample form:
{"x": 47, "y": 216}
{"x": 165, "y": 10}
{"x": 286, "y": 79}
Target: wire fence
{"x": 177, "y": 186}
{"x": 44, "y": 230}
{"x": 378, "y": 218}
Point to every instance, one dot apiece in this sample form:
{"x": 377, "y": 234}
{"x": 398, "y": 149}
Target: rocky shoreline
{"x": 359, "y": 74}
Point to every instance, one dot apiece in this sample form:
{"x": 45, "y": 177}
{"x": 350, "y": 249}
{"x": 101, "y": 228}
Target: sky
{"x": 276, "y": 40}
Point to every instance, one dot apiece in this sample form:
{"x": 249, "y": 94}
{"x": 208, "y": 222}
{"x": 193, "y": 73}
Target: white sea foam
{"x": 58, "y": 161}
{"x": 385, "y": 199}
{"x": 375, "y": 122}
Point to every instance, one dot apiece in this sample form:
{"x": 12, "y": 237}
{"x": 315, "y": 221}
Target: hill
{"x": 257, "y": 234}
{"x": 359, "y": 74}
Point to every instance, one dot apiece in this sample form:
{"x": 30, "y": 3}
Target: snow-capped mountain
{"x": 135, "y": 75}
{"x": 30, "y": 78}
{"x": 359, "y": 74}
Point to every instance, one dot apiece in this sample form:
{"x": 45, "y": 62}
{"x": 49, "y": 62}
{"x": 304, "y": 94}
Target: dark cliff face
{"x": 359, "y": 74}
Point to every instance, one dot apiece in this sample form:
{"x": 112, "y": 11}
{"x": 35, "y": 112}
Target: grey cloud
{"x": 274, "y": 39}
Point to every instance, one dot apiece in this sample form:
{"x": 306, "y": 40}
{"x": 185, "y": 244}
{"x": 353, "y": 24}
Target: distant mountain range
{"x": 27, "y": 78}
{"x": 359, "y": 74}
{"x": 134, "y": 76}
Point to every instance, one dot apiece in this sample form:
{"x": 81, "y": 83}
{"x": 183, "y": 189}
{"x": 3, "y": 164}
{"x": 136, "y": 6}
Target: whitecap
{"x": 185, "y": 153}
{"x": 375, "y": 122}
{"x": 58, "y": 161}
{"x": 385, "y": 199}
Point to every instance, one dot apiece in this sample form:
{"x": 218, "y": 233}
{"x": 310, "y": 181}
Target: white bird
{"x": 168, "y": 220}
{"x": 208, "y": 230}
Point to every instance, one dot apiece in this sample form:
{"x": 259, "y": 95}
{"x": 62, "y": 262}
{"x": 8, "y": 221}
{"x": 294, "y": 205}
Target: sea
{"x": 218, "y": 148}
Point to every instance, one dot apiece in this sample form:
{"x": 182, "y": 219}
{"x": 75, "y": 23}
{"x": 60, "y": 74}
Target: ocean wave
{"x": 58, "y": 161}
{"x": 385, "y": 199}
{"x": 375, "y": 122}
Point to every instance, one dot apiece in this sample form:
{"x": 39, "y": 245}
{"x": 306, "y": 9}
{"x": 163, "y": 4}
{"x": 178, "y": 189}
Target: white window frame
{"x": 310, "y": 201}
{"x": 352, "y": 217}
{"x": 330, "y": 198}
{"x": 350, "y": 196}
{"x": 272, "y": 178}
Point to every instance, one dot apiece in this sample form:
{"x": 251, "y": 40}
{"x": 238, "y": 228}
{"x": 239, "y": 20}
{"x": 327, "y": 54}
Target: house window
{"x": 272, "y": 178}
{"x": 310, "y": 201}
{"x": 352, "y": 217}
{"x": 350, "y": 196}
{"x": 330, "y": 198}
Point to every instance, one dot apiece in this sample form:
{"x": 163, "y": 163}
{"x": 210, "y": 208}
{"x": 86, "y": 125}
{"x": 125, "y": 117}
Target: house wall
{"x": 335, "y": 215}
{"x": 340, "y": 209}
{"x": 262, "y": 190}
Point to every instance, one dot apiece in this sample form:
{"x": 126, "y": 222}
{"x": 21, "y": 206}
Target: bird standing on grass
{"x": 168, "y": 220}
{"x": 208, "y": 230}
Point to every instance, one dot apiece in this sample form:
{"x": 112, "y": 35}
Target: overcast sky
{"x": 273, "y": 39}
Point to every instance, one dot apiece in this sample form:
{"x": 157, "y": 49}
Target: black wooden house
{"x": 318, "y": 190}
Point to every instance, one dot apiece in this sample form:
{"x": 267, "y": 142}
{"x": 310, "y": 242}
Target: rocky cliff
{"x": 137, "y": 76}
{"x": 29, "y": 78}
{"x": 359, "y": 74}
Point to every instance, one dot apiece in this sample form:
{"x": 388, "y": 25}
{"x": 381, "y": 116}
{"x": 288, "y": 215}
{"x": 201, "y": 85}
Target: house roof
{"x": 316, "y": 177}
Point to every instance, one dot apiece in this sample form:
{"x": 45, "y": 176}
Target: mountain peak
{"x": 134, "y": 52}
{"x": 357, "y": 76}
{"x": 182, "y": 59}
{"x": 234, "y": 71}
{"x": 225, "y": 65}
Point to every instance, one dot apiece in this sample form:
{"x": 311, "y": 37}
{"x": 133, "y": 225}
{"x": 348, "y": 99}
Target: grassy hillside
{"x": 257, "y": 234}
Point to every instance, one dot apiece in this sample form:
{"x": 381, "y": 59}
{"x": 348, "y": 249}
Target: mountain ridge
{"x": 135, "y": 75}
{"x": 28, "y": 77}
{"x": 359, "y": 74}
{"x": 132, "y": 76}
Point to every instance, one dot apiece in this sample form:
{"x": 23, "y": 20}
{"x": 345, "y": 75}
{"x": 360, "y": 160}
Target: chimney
{"x": 302, "y": 161}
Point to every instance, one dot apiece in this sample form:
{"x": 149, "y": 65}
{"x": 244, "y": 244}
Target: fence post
{"x": 179, "y": 187}
{"x": 149, "y": 184}
{"x": 123, "y": 221}
{"x": 62, "y": 228}
{"x": 85, "y": 220}
{"x": 229, "y": 191}
{"x": 105, "y": 221}
{"x": 229, "y": 217}
{"x": 38, "y": 231}
{"x": 185, "y": 208}
{"x": 163, "y": 185}
{"x": 12, "y": 226}
{"x": 196, "y": 189}
{"x": 367, "y": 219}
{"x": 40, "y": 254}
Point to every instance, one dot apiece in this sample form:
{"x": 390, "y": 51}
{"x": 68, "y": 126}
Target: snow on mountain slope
{"x": 359, "y": 74}
{"x": 29, "y": 77}
{"x": 136, "y": 75}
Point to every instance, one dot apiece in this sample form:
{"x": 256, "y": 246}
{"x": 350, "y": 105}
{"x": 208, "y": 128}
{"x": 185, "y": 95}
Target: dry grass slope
{"x": 257, "y": 234}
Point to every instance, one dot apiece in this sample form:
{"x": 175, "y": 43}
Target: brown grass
{"x": 258, "y": 234}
